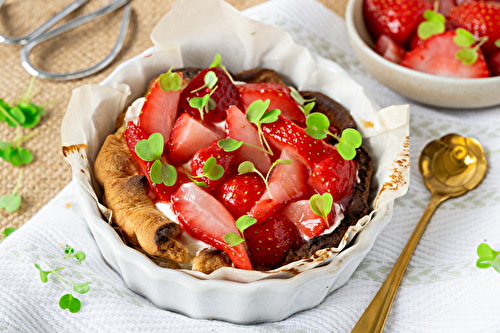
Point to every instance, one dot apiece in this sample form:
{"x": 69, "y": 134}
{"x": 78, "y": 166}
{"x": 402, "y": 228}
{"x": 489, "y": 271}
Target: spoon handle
{"x": 374, "y": 317}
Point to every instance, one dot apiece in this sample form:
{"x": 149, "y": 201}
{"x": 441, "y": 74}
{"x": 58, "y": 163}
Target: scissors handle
{"x": 25, "y": 51}
{"x": 44, "y": 27}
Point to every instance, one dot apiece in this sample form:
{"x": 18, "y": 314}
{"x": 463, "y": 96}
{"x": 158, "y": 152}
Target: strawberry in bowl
{"x": 254, "y": 173}
{"x": 442, "y": 53}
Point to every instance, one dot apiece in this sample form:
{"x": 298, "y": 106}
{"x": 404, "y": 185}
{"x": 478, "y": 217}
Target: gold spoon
{"x": 450, "y": 166}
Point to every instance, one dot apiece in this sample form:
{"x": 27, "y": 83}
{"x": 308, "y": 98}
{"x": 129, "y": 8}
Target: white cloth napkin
{"x": 442, "y": 290}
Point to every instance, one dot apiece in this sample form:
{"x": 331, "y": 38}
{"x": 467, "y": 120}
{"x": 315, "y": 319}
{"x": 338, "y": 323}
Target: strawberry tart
{"x": 212, "y": 169}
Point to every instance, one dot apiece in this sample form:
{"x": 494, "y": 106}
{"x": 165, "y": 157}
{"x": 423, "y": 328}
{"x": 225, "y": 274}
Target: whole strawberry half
{"x": 280, "y": 97}
{"x": 436, "y": 55}
{"x": 240, "y": 193}
{"x": 134, "y": 134}
{"x": 284, "y": 133}
{"x": 269, "y": 242}
{"x": 397, "y": 19}
{"x": 222, "y": 158}
{"x": 208, "y": 220}
{"x": 389, "y": 49}
{"x": 224, "y": 95}
{"x": 335, "y": 176}
{"x": 481, "y": 18}
{"x": 159, "y": 110}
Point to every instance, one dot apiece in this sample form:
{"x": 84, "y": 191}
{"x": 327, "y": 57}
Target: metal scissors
{"x": 40, "y": 35}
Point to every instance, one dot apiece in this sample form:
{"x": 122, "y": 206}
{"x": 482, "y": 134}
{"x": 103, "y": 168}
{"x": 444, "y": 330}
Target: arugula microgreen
{"x": 232, "y": 238}
{"x": 257, "y": 114}
{"x": 248, "y": 167}
{"x": 468, "y": 55}
{"x": 318, "y": 127}
{"x": 204, "y": 104}
{"x": 12, "y": 202}
{"x": 211, "y": 170}
{"x": 229, "y": 145}
{"x": 151, "y": 150}
{"x": 70, "y": 252}
{"x": 433, "y": 24}
{"x": 67, "y": 301}
{"x": 8, "y": 231}
{"x": 321, "y": 205}
{"x": 305, "y": 104}
{"x": 488, "y": 257}
{"x": 170, "y": 81}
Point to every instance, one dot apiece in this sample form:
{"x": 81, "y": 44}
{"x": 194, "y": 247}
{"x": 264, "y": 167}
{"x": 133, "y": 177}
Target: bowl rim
{"x": 356, "y": 38}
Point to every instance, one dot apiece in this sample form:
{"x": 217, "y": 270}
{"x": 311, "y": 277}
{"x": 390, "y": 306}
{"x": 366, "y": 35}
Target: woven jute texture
{"x": 78, "y": 49}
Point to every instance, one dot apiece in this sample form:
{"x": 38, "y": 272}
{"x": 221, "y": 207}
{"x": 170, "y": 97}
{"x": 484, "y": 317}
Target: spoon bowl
{"x": 450, "y": 167}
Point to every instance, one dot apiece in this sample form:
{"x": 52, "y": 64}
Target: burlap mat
{"x": 77, "y": 49}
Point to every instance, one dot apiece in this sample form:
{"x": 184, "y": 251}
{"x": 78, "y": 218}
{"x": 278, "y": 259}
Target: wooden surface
{"x": 80, "y": 48}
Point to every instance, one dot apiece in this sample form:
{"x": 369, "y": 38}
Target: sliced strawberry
{"x": 481, "y": 18}
{"x": 335, "y": 176}
{"x": 397, "y": 19}
{"x": 389, "y": 49}
{"x": 494, "y": 64}
{"x": 134, "y": 134}
{"x": 240, "y": 193}
{"x": 309, "y": 224}
{"x": 436, "y": 55}
{"x": 239, "y": 128}
{"x": 224, "y": 95}
{"x": 445, "y": 7}
{"x": 288, "y": 183}
{"x": 189, "y": 136}
{"x": 270, "y": 241}
{"x": 223, "y": 159}
{"x": 279, "y": 95}
{"x": 283, "y": 133}
{"x": 208, "y": 220}
{"x": 159, "y": 110}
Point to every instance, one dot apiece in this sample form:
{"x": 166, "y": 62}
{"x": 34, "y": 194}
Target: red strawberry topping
{"x": 239, "y": 128}
{"x": 279, "y": 95}
{"x": 222, "y": 158}
{"x": 309, "y": 224}
{"x": 208, "y": 220}
{"x": 159, "y": 110}
{"x": 189, "y": 136}
{"x": 270, "y": 241}
{"x": 335, "y": 176}
{"x": 240, "y": 193}
{"x": 288, "y": 183}
{"x": 389, "y": 49}
{"x": 397, "y": 19}
{"x": 436, "y": 55}
{"x": 481, "y": 19}
{"x": 494, "y": 64}
{"x": 283, "y": 133}
{"x": 224, "y": 95}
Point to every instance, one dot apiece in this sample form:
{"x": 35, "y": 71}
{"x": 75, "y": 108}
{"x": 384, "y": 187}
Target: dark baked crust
{"x": 259, "y": 75}
{"x": 209, "y": 260}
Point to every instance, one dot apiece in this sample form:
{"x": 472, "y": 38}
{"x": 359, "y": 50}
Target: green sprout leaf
{"x": 70, "y": 303}
{"x": 308, "y": 108}
{"x": 257, "y": 114}
{"x": 488, "y": 257}
{"x": 200, "y": 103}
{"x": 229, "y": 145}
{"x": 212, "y": 170}
{"x": 317, "y": 125}
{"x": 19, "y": 156}
{"x": 200, "y": 183}
{"x": 10, "y": 202}
{"x": 247, "y": 167}
{"x": 467, "y": 56}
{"x": 81, "y": 288}
{"x": 70, "y": 252}
{"x": 150, "y": 149}
{"x": 44, "y": 275}
{"x": 321, "y": 205}
{"x": 497, "y": 43}
{"x": 210, "y": 80}
{"x": 170, "y": 81}
{"x": 464, "y": 38}
{"x": 217, "y": 61}
{"x": 433, "y": 25}
{"x": 349, "y": 141}
{"x": 163, "y": 173}
{"x": 80, "y": 256}
{"x": 232, "y": 239}
{"x": 305, "y": 104}
{"x": 8, "y": 231}
{"x": 5, "y": 150}
{"x": 270, "y": 116}
{"x": 256, "y": 110}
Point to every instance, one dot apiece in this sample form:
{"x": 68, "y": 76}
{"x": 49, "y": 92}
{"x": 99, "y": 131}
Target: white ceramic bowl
{"x": 425, "y": 88}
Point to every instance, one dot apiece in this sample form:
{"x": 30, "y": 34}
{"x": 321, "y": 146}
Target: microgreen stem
{"x": 26, "y": 97}
{"x": 481, "y": 41}
{"x": 265, "y": 180}
{"x": 436, "y": 6}
{"x": 54, "y": 271}
{"x": 18, "y": 181}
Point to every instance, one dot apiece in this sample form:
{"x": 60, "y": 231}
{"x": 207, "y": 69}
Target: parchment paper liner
{"x": 189, "y": 35}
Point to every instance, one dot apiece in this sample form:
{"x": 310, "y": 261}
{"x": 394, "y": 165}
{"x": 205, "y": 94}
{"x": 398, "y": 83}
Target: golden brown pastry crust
{"x": 133, "y": 211}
